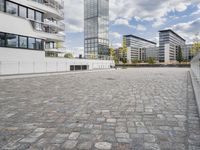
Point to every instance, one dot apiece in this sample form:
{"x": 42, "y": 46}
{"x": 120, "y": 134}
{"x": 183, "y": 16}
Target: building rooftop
{"x": 170, "y": 30}
{"x": 139, "y": 38}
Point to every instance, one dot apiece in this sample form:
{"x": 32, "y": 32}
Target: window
{"x": 11, "y": 8}
{"x": 39, "y": 16}
{"x": 39, "y": 44}
{"x": 2, "y": 4}
{"x": 31, "y": 43}
{"x": 31, "y": 14}
{"x": 23, "y": 42}
{"x": 2, "y": 39}
{"x": 11, "y": 40}
{"x": 22, "y": 11}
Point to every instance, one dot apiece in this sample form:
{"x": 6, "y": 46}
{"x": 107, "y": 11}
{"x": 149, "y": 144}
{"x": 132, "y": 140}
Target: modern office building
{"x": 96, "y": 24}
{"x": 137, "y": 47}
{"x": 187, "y": 53}
{"x": 169, "y": 41}
{"x": 29, "y": 28}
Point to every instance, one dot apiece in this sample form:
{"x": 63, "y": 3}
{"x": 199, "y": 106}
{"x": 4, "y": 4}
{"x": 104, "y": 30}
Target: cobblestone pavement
{"x": 137, "y": 109}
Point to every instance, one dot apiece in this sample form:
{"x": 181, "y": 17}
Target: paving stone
{"x": 103, "y": 145}
{"x": 140, "y": 108}
{"x": 85, "y": 145}
{"x": 74, "y": 135}
{"x": 70, "y": 144}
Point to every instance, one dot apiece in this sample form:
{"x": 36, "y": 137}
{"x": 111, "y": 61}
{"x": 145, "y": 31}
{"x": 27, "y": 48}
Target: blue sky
{"x": 142, "y": 18}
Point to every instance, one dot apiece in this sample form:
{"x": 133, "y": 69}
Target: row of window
{"x": 19, "y": 10}
{"x": 18, "y": 41}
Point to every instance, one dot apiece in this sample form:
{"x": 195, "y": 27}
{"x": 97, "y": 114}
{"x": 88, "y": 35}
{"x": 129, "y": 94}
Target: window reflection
{"x": 31, "y": 43}
{"x": 12, "y": 40}
{"x": 22, "y": 11}
{"x": 23, "y": 42}
{"x": 11, "y": 8}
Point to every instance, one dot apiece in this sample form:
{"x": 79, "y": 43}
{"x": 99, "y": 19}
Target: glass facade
{"x": 2, "y": 5}
{"x": 11, "y": 8}
{"x": 20, "y": 41}
{"x": 31, "y": 14}
{"x": 96, "y": 24}
{"x": 11, "y": 40}
{"x": 23, "y": 42}
{"x": 2, "y": 39}
{"x": 31, "y": 43}
{"x": 22, "y": 11}
{"x": 169, "y": 42}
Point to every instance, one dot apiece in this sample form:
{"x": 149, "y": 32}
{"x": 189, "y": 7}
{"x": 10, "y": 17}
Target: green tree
{"x": 69, "y": 55}
{"x": 179, "y": 55}
{"x": 123, "y": 51}
{"x": 151, "y": 60}
{"x": 134, "y": 61}
{"x": 196, "y": 45}
{"x": 111, "y": 52}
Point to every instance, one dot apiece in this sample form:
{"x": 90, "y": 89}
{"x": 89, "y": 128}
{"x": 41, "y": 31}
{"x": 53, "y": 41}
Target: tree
{"x": 134, "y": 61}
{"x": 179, "y": 55}
{"x": 123, "y": 51}
{"x": 196, "y": 45}
{"x": 111, "y": 52}
{"x": 151, "y": 60}
{"x": 69, "y": 55}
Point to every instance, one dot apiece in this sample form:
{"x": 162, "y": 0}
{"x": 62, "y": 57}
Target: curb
{"x": 196, "y": 88}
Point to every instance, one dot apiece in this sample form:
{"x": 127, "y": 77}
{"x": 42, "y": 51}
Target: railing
{"x": 48, "y": 28}
{"x": 195, "y": 66}
{"x": 53, "y": 4}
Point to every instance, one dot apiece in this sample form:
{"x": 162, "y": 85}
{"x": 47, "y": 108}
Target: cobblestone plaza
{"x": 136, "y": 109}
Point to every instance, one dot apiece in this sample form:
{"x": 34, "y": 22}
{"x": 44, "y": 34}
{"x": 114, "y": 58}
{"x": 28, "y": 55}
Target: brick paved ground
{"x": 125, "y": 109}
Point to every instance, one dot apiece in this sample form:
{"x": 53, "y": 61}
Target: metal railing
{"x": 47, "y": 27}
{"x": 53, "y": 4}
{"x": 195, "y": 66}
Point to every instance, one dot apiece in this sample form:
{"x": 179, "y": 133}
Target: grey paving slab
{"x": 142, "y": 108}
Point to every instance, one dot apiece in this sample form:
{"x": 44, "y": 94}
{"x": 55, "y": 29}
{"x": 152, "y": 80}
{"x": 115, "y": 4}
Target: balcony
{"x": 54, "y": 4}
{"x": 48, "y": 26}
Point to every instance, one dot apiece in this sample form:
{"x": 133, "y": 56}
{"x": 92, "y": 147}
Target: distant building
{"x": 138, "y": 47}
{"x": 152, "y": 52}
{"x": 169, "y": 41}
{"x": 186, "y": 51}
{"x": 96, "y": 24}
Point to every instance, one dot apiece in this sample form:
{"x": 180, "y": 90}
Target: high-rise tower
{"x": 96, "y": 26}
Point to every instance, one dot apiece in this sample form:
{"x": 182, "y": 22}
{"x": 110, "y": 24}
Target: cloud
{"x": 140, "y": 27}
{"x": 74, "y": 16}
{"x": 188, "y": 30}
{"x": 122, "y": 21}
{"x": 115, "y": 35}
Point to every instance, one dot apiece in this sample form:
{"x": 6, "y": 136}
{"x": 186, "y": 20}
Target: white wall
{"x": 18, "y": 61}
{"x": 13, "y": 54}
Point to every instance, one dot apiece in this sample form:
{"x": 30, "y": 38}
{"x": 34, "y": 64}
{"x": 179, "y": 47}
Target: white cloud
{"x": 121, "y": 21}
{"x": 188, "y": 30}
{"x": 115, "y": 35}
{"x": 140, "y": 27}
{"x": 122, "y": 11}
{"x": 74, "y": 15}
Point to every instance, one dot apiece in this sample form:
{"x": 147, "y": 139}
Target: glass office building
{"x": 96, "y": 26}
{"x": 169, "y": 41}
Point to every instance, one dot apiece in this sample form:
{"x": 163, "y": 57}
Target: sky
{"x": 143, "y": 18}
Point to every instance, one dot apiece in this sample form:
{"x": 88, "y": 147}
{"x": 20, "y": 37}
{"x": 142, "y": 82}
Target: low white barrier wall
{"x": 195, "y": 74}
{"x": 195, "y": 66}
{"x": 51, "y": 65}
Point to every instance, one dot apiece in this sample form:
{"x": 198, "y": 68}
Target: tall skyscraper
{"x": 96, "y": 24}
{"x": 169, "y": 41}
